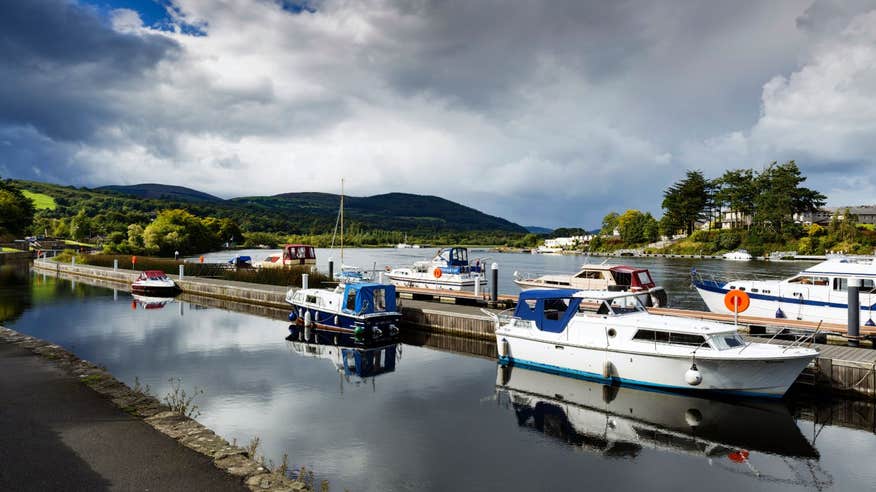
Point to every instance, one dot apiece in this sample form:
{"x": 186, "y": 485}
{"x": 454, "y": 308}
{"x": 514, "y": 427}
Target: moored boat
{"x": 154, "y": 283}
{"x": 449, "y": 269}
{"x": 364, "y": 309}
{"x": 291, "y": 255}
{"x": 618, "y": 278}
{"x": 738, "y": 255}
{"x": 819, "y": 293}
{"x": 607, "y": 336}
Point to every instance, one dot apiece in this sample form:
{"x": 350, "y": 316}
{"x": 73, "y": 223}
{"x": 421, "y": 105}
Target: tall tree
{"x": 685, "y": 202}
{"x": 781, "y": 196}
{"x": 736, "y": 193}
{"x": 16, "y": 210}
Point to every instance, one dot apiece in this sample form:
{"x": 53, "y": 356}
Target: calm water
{"x": 433, "y": 419}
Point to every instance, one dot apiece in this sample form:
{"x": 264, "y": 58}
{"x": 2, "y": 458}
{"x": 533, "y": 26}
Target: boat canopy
{"x": 299, "y": 252}
{"x": 153, "y": 275}
{"x": 550, "y": 309}
{"x": 367, "y": 298}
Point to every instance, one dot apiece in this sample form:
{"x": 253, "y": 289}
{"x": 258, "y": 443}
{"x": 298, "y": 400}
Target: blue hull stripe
{"x": 592, "y": 376}
{"x": 714, "y": 287}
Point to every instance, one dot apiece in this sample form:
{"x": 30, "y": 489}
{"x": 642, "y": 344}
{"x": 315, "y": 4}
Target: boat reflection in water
{"x": 753, "y": 437}
{"x": 149, "y": 302}
{"x": 354, "y": 363}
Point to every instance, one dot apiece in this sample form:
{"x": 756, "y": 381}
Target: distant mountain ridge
{"x": 162, "y": 192}
{"x": 539, "y": 229}
{"x": 288, "y": 213}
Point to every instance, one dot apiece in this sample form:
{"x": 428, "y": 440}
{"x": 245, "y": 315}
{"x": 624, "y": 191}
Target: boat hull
{"x": 766, "y": 306}
{"x": 363, "y": 328}
{"x": 156, "y": 291}
{"x": 445, "y": 283}
{"x": 743, "y": 377}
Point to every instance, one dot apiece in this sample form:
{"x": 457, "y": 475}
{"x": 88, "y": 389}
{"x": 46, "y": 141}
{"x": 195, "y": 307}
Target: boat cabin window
{"x": 809, "y": 280}
{"x": 843, "y": 284}
{"x": 379, "y": 300}
{"x": 644, "y": 278}
{"x": 310, "y": 299}
{"x": 590, "y": 274}
{"x": 555, "y": 309}
{"x": 351, "y": 300}
{"x": 727, "y": 341}
{"x": 658, "y": 336}
{"x": 625, "y": 279}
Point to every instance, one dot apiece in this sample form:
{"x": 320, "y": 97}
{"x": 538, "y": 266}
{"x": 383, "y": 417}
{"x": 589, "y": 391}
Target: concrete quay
{"x": 69, "y": 425}
{"x": 842, "y": 369}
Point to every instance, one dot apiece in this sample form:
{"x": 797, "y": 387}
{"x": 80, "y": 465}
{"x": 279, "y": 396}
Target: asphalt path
{"x": 58, "y": 434}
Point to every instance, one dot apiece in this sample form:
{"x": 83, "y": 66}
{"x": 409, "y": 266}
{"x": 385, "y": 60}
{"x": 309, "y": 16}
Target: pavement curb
{"x": 188, "y": 432}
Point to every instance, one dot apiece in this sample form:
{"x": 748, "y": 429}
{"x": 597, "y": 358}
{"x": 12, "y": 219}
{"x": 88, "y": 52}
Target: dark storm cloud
{"x": 59, "y": 61}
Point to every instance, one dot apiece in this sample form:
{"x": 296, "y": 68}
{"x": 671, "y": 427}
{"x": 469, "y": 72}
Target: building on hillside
{"x": 866, "y": 214}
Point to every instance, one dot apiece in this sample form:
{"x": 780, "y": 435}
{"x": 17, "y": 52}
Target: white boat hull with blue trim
{"x": 819, "y": 293}
{"x": 612, "y": 338}
{"x": 450, "y": 269}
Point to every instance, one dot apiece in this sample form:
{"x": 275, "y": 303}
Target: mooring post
{"x": 304, "y": 278}
{"x": 854, "y": 328}
{"x": 477, "y": 285}
{"x": 380, "y": 277}
{"x": 116, "y": 265}
{"x": 182, "y": 271}
{"x": 73, "y": 260}
{"x": 494, "y": 280}
{"x": 331, "y": 269}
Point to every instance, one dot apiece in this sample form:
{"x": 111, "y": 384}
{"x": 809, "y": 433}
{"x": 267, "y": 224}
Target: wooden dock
{"x": 455, "y": 297}
{"x": 839, "y": 368}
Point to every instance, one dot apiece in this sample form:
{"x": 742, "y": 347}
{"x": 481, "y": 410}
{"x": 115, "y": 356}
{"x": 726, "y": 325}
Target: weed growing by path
{"x": 181, "y": 401}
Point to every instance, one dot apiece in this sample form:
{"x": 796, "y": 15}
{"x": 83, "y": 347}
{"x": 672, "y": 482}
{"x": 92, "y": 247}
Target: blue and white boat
{"x": 611, "y": 337}
{"x": 365, "y": 310}
{"x": 819, "y": 293}
{"x": 449, "y": 269}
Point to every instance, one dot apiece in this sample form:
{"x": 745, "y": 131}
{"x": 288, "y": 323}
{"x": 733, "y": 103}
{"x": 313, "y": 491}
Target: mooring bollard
{"x": 73, "y": 260}
{"x": 854, "y": 328}
{"x": 182, "y": 271}
{"x": 304, "y": 280}
{"x": 331, "y": 269}
{"x": 494, "y": 287}
{"x": 380, "y": 278}
{"x": 116, "y": 265}
{"x": 478, "y": 285}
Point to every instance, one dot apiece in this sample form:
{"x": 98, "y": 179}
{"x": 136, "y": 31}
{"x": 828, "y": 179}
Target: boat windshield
{"x": 727, "y": 341}
{"x": 621, "y": 305}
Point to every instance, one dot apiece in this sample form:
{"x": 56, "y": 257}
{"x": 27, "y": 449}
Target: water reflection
{"x": 354, "y": 363}
{"x": 745, "y": 436}
{"x": 148, "y": 302}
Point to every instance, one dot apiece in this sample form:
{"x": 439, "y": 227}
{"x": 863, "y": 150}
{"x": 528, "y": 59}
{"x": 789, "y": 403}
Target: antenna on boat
{"x": 342, "y": 223}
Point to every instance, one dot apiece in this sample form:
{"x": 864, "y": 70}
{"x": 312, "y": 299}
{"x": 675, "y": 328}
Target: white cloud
{"x": 554, "y": 115}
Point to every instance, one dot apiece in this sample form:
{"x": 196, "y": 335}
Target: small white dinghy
{"x": 611, "y": 337}
{"x": 154, "y": 283}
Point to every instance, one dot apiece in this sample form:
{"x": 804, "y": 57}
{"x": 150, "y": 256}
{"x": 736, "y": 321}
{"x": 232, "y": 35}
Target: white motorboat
{"x": 154, "y": 283}
{"x": 450, "y": 269}
{"x": 819, "y": 293}
{"x": 607, "y": 336}
{"x": 618, "y": 278}
{"x": 614, "y": 420}
{"x": 738, "y": 255}
{"x": 365, "y": 310}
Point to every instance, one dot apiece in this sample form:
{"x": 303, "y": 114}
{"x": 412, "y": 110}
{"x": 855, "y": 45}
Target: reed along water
{"x": 436, "y": 412}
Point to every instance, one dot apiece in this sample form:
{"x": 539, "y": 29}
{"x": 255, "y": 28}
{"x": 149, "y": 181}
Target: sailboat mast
{"x": 342, "y": 222}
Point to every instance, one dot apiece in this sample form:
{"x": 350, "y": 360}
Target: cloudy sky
{"x": 545, "y": 113}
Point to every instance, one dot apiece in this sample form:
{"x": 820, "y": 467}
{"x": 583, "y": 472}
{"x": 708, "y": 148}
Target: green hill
{"x": 162, "y": 192}
{"x": 111, "y": 209}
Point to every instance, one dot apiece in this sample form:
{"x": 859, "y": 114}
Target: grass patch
{"x": 41, "y": 201}
{"x": 69, "y": 242}
{"x": 92, "y": 379}
{"x": 4, "y": 249}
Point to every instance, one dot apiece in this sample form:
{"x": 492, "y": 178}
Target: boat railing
{"x": 721, "y": 278}
{"x": 798, "y": 337}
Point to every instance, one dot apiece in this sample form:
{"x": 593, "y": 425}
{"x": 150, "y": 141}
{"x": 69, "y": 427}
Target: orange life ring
{"x": 736, "y": 301}
{"x": 437, "y": 273}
